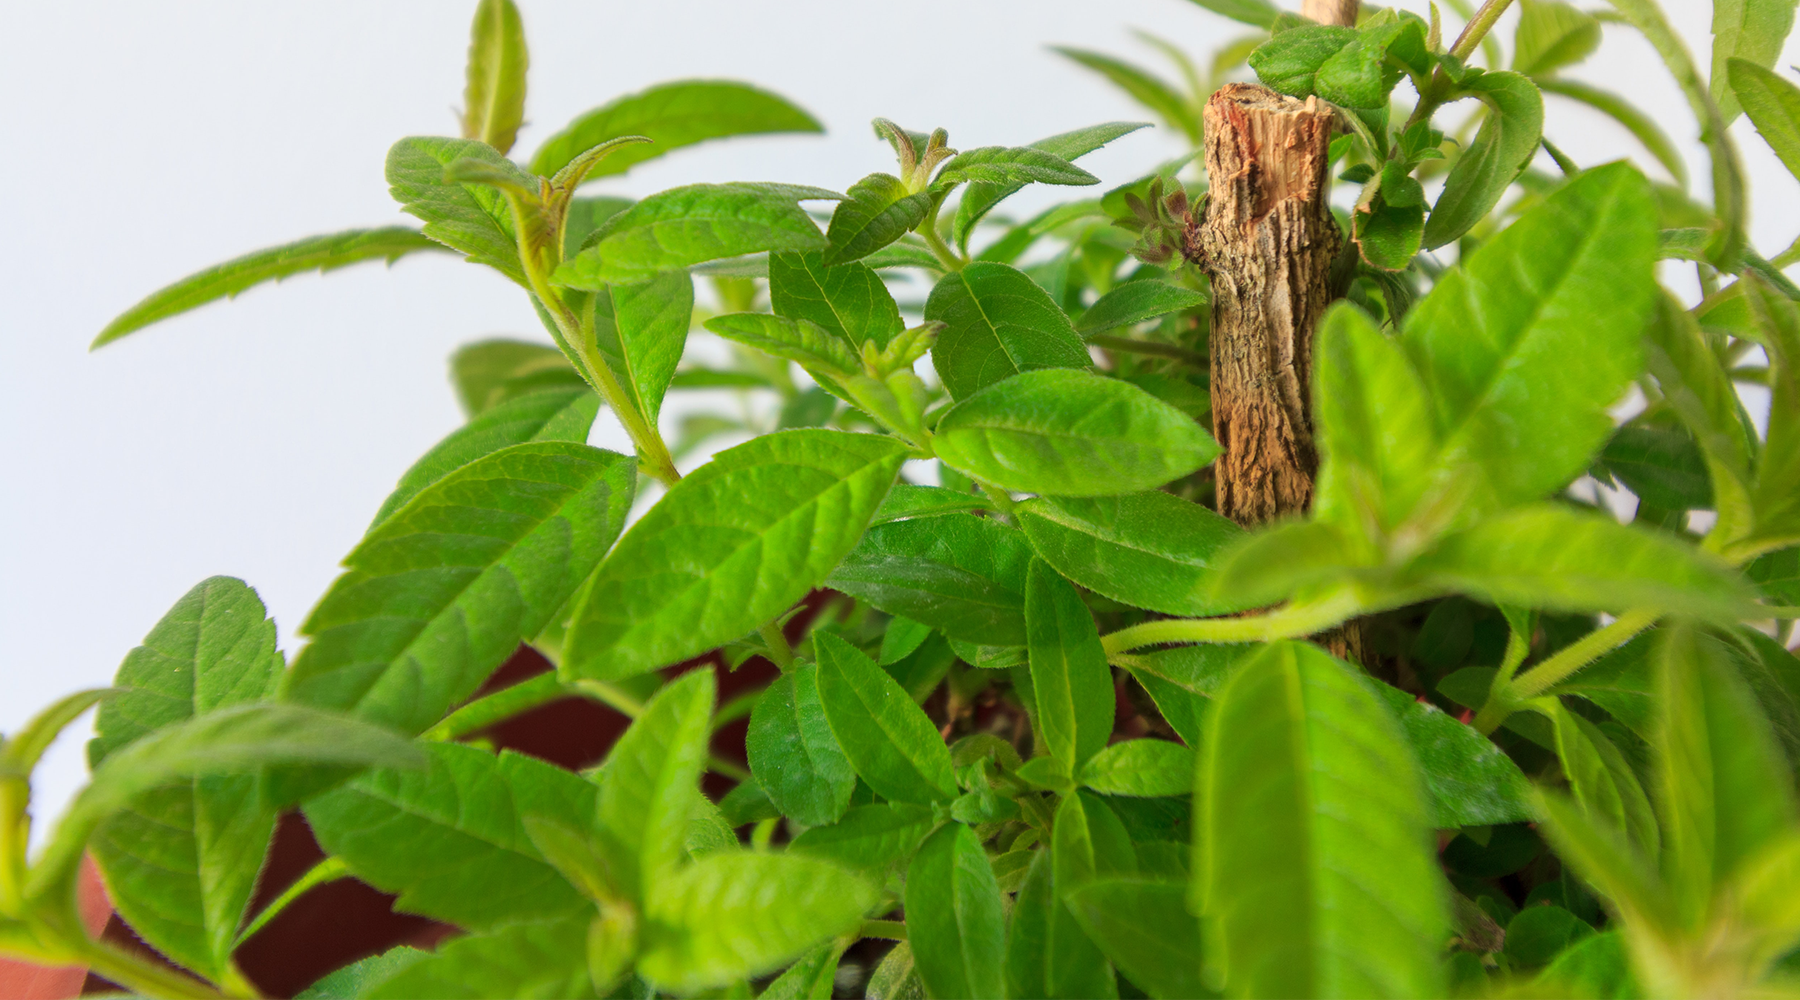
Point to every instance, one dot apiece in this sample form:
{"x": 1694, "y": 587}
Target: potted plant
{"x": 1266, "y": 632}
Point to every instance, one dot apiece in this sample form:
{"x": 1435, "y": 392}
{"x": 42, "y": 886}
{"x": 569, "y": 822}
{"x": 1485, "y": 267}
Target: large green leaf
{"x": 494, "y": 96}
{"x": 879, "y": 209}
{"x": 1773, "y": 105}
{"x": 540, "y": 958}
{"x": 1143, "y": 768}
{"x": 888, "y": 738}
{"x": 1334, "y": 890}
{"x": 735, "y": 915}
{"x": 1600, "y": 778}
{"x": 730, "y": 547}
{"x": 793, "y": 753}
{"x": 675, "y": 229}
{"x": 451, "y": 840}
{"x": 472, "y": 218}
{"x": 1289, "y": 62}
{"x": 1748, "y": 30}
{"x": 227, "y": 280}
{"x": 1150, "y": 550}
{"x": 1145, "y": 928}
{"x": 640, "y": 330}
{"x": 1468, "y": 780}
{"x": 1047, "y": 953}
{"x": 440, "y": 593}
{"x": 980, "y": 197}
{"x": 873, "y": 836}
{"x": 1070, "y": 433}
{"x": 849, "y": 299}
{"x": 997, "y": 323}
{"x": 964, "y": 576}
{"x": 671, "y": 115}
{"x": 651, "y": 784}
{"x": 180, "y": 862}
{"x": 1526, "y": 345}
{"x": 558, "y": 414}
{"x": 1070, "y": 681}
{"x": 955, "y": 918}
{"x": 490, "y": 372}
{"x": 1506, "y": 142}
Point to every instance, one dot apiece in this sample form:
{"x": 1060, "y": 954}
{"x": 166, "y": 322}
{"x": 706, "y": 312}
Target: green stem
{"x": 1002, "y": 500}
{"x": 497, "y": 707}
{"x": 1289, "y": 622}
{"x": 15, "y": 833}
{"x": 1153, "y": 349}
{"x": 730, "y": 769}
{"x": 887, "y": 930}
{"x": 329, "y": 870}
{"x": 928, "y": 229}
{"x": 1789, "y": 256}
{"x": 609, "y": 694}
{"x": 780, "y": 653}
{"x": 1478, "y": 27}
{"x": 140, "y": 975}
{"x": 1541, "y": 678}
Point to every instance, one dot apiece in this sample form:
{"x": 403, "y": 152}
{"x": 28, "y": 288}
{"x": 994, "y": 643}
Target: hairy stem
{"x": 1289, "y": 622}
{"x": 140, "y": 975}
{"x": 780, "y": 653}
{"x": 329, "y": 870}
{"x": 611, "y": 695}
{"x": 928, "y": 229}
{"x": 1478, "y": 27}
{"x": 1583, "y": 651}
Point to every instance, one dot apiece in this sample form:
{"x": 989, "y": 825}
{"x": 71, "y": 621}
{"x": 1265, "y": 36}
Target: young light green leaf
{"x": 471, "y": 218}
{"x": 1047, "y": 953}
{"x": 651, "y": 783}
{"x": 849, "y": 299}
{"x": 1149, "y": 90}
{"x": 1641, "y": 126}
{"x": 1012, "y": 165}
{"x": 494, "y": 97}
{"x": 879, "y": 209}
{"x": 1506, "y": 142}
{"x": 737, "y": 915}
{"x": 757, "y": 527}
{"x": 490, "y": 372}
{"x": 440, "y": 593}
{"x": 908, "y": 501}
{"x": 886, "y": 736}
{"x": 1150, "y": 550}
{"x": 539, "y": 958}
{"x": 802, "y": 341}
{"x": 1070, "y": 681}
{"x": 1751, "y": 31}
{"x": 640, "y": 330}
{"x": 1605, "y": 787}
{"x": 1773, "y": 105}
{"x": 1134, "y": 302}
{"x": 557, "y": 414}
{"x": 964, "y": 576}
{"x": 997, "y": 323}
{"x": 1335, "y": 889}
{"x": 1551, "y": 35}
{"x": 1145, "y": 928}
{"x": 1070, "y": 433}
{"x": 671, "y": 115}
{"x": 1146, "y": 768}
{"x": 680, "y": 227}
{"x": 870, "y": 837}
{"x": 980, "y": 197}
{"x": 955, "y": 918}
{"x": 793, "y": 753}
{"x": 228, "y": 280}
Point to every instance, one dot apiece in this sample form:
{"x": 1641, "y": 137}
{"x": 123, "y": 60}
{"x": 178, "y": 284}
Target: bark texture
{"x": 1267, "y": 241}
{"x": 1331, "y": 11}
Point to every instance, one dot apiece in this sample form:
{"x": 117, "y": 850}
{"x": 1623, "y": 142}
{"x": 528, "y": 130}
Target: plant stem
{"x": 1583, "y": 651}
{"x": 140, "y": 975}
{"x": 1002, "y": 500}
{"x": 928, "y": 229}
{"x": 498, "y": 707}
{"x": 1289, "y": 622}
{"x": 780, "y": 653}
{"x": 719, "y": 765}
{"x": 1478, "y": 27}
{"x": 612, "y": 695}
{"x": 1151, "y": 348}
{"x": 1789, "y": 256}
{"x": 888, "y": 930}
{"x": 329, "y": 870}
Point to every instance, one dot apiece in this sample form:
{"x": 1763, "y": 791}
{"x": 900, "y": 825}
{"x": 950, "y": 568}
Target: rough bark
{"x": 1267, "y": 241}
{"x": 1331, "y": 11}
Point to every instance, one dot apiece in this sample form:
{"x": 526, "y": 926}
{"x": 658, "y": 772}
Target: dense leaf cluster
{"x": 1054, "y": 726}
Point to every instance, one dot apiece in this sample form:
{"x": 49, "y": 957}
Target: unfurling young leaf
{"x": 494, "y": 98}
{"x": 471, "y": 218}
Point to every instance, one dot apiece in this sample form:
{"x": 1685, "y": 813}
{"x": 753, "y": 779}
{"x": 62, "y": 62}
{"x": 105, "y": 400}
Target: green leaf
{"x": 1047, "y": 953}
{"x": 1776, "y": 498}
{"x": 1012, "y": 165}
{"x": 1751, "y": 31}
{"x": 451, "y": 839}
{"x": 1605, "y": 787}
{"x": 1070, "y": 433}
{"x": 21, "y": 752}
{"x": 1146, "y": 768}
{"x": 1550, "y": 556}
{"x": 1697, "y": 389}
{"x": 241, "y": 739}
{"x": 964, "y": 576}
{"x": 1290, "y": 61}
{"x": 1525, "y": 346}
{"x": 1662, "y": 465}
{"x": 1538, "y": 933}
{"x": 471, "y": 218}
{"x": 1641, "y": 126}
{"x": 793, "y": 753}
{"x": 1595, "y": 966}
{"x": 886, "y": 736}
{"x": 801, "y": 341}
{"x": 640, "y": 330}
{"x": 1134, "y": 302}
{"x": 871, "y": 837}
{"x": 559, "y": 414}
{"x": 1144, "y": 87}
{"x": 1773, "y": 105}
{"x": 1088, "y": 841}
{"x": 1468, "y": 780}
{"x": 546, "y": 958}
{"x": 1596, "y": 851}
{"x": 1505, "y": 144}
{"x": 997, "y": 323}
{"x": 671, "y": 115}
{"x": 1551, "y": 35}
{"x": 227, "y": 280}
{"x": 879, "y": 209}
{"x": 1150, "y": 550}
{"x": 1335, "y": 889}
{"x": 1259, "y": 13}
{"x": 1071, "y": 683}
{"x": 955, "y": 918}
{"x": 1363, "y": 73}
{"x": 738, "y": 915}
{"x": 180, "y": 862}
{"x": 809, "y": 978}
{"x": 490, "y": 372}
{"x": 1144, "y": 927}
{"x": 980, "y": 197}
{"x": 440, "y": 593}
{"x": 650, "y": 785}
{"x": 908, "y": 501}
{"x": 755, "y": 529}
{"x": 680, "y": 227}
{"x": 494, "y": 97}
{"x": 357, "y": 978}
{"x": 850, "y": 300}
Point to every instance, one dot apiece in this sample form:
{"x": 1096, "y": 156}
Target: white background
{"x": 255, "y": 438}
